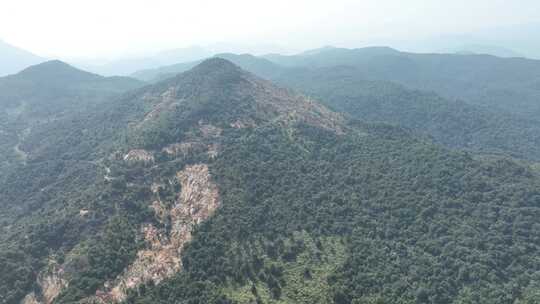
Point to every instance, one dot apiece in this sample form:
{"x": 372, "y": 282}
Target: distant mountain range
{"x": 455, "y": 99}
{"x": 507, "y": 83}
{"x": 128, "y": 66}
{"x": 13, "y": 59}
{"x": 499, "y": 41}
{"x": 477, "y": 49}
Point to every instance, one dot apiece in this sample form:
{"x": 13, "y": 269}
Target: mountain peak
{"x": 56, "y": 71}
{"x": 210, "y": 74}
{"x": 51, "y": 64}
{"x": 219, "y": 93}
{"x": 216, "y": 64}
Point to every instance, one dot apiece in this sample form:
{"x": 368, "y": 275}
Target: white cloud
{"x": 106, "y": 27}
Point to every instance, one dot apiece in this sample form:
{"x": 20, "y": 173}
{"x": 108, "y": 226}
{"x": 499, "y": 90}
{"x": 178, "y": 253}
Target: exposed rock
{"x": 30, "y": 299}
{"x": 51, "y": 281}
{"x": 213, "y": 150}
{"x": 182, "y": 149}
{"x": 52, "y": 284}
{"x": 159, "y": 261}
{"x": 161, "y": 103}
{"x": 209, "y": 130}
{"x": 160, "y": 210}
{"x": 242, "y": 124}
{"x": 197, "y": 201}
{"x": 155, "y": 187}
{"x": 107, "y": 176}
{"x": 139, "y": 155}
{"x": 187, "y": 148}
{"x": 291, "y": 107}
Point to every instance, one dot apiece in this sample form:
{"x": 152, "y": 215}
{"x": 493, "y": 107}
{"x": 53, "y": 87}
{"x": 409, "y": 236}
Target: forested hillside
{"x": 349, "y": 87}
{"x": 32, "y": 100}
{"x": 216, "y": 186}
{"x": 453, "y": 123}
{"x": 511, "y": 84}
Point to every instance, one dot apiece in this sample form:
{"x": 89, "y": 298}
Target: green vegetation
{"x": 106, "y": 257}
{"x": 420, "y": 224}
{"x": 46, "y": 98}
{"x": 373, "y": 214}
{"x": 455, "y": 124}
{"x": 382, "y": 85}
{"x": 46, "y": 173}
{"x": 506, "y": 83}
{"x": 304, "y": 275}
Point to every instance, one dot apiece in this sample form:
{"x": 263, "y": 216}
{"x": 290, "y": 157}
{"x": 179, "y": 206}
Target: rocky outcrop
{"x": 189, "y": 148}
{"x": 242, "y": 124}
{"x": 51, "y": 281}
{"x": 209, "y": 130}
{"x": 288, "y": 106}
{"x": 161, "y": 103}
{"x": 199, "y": 198}
{"x": 30, "y": 299}
{"x": 197, "y": 201}
{"x": 158, "y": 261}
{"x": 139, "y": 155}
{"x": 183, "y": 149}
{"x": 213, "y": 150}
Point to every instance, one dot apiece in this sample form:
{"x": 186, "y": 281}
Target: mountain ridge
{"x": 34, "y": 98}
{"x": 456, "y": 123}
{"x": 217, "y": 186}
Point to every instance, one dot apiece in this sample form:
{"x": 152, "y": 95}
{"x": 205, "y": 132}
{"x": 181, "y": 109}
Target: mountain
{"x": 164, "y": 72}
{"x": 217, "y": 186}
{"x": 453, "y": 123}
{"x": 331, "y": 56}
{"x": 132, "y": 66}
{"x": 37, "y": 96}
{"x": 39, "y": 83}
{"x": 477, "y": 49}
{"x": 347, "y": 89}
{"x": 13, "y": 59}
{"x": 510, "y": 84}
{"x": 257, "y": 65}
{"x": 516, "y": 37}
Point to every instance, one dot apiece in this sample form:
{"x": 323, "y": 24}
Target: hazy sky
{"x": 93, "y": 28}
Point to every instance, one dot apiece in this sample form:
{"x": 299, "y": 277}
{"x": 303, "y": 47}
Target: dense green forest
{"x": 338, "y": 78}
{"x": 316, "y": 207}
{"x": 40, "y": 95}
{"x": 510, "y": 84}
{"x": 453, "y": 123}
{"x": 414, "y": 223}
